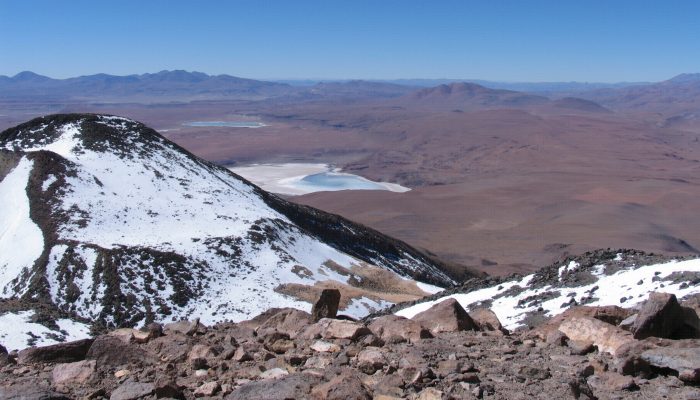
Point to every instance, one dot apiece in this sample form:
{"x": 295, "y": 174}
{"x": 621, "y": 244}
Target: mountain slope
{"x": 113, "y": 224}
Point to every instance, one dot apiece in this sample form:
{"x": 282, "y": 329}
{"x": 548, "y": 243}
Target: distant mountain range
{"x": 675, "y": 97}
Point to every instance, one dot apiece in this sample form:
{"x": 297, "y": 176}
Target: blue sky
{"x": 519, "y": 40}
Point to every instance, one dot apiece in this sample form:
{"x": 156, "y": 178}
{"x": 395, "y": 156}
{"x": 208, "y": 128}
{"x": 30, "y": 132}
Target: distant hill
{"x": 164, "y": 84}
{"x": 677, "y": 96}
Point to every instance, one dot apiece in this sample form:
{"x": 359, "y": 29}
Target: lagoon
{"x": 303, "y": 178}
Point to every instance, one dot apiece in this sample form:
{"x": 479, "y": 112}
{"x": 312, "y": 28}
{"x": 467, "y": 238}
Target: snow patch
{"x": 18, "y": 332}
{"x": 627, "y": 287}
{"x": 21, "y": 240}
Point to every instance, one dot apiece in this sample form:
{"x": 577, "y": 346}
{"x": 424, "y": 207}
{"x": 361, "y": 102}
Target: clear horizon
{"x": 512, "y": 41}
{"x": 343, "y": 79}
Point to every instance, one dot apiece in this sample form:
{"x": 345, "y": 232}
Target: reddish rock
{"x": 57, "y": 353}
{"x": 389, "y": 326}
{"x": 188, "y": 328}
{"x": 109, "y": 351}
{"x": 487, "y": 320}
{"x": 76, "y": 373}
{"x": 288, "y": 321}
{"x": 327, "y": 304}
{"x": 207, "y": 389}
{"x": 660, "y": 316}
{"x": 446, "y": 316}
{"x": 346, "y": 386}
{"x": 607, "y": 338}
{"x": 335, "y": 329}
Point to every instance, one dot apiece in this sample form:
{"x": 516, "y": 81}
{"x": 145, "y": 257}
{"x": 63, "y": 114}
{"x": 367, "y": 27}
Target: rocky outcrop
{"x": 660, "y": 316}
{"x": 446, "y": 316}
{"x": 395, "y": 328}
{"x": 607, "y": 338}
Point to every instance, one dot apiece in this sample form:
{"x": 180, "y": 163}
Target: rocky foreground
{"x": 652, "y": 352}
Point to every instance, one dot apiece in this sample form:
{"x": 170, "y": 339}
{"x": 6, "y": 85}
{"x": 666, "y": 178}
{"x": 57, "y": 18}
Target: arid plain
{"x": 501, "y": 181}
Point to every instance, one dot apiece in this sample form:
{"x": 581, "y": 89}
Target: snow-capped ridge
{"x": 138, "y": 229}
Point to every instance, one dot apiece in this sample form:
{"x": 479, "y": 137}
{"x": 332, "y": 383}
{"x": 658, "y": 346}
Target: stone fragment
{"x": 327, "y": 304}
{"x": 686, "y": 361}
{"x": 430, "y": 394}
{"x": 274, "y": 373}
{"x": 580, "y": 347}
{"x": 132, "y": 391}
{"x": 75, "y": 373}
{"x": 207, "y": 389}
{"x": 325, "y": 347}
{"x": 370, "y": 360}
{"x": 446, "y": 316}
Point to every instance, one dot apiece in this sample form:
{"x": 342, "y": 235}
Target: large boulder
{"x": 607, "y": 338}
{"x": 110, "y": 351}
{"x": 391, "y": 326}
{"x": 446, "y": 316}
{"x": 327, "y": 304}
{"x": 686, "y": 361}
{"x": 487, "y": 320}
{"x": 660, "y": 316}
{"x": 335, "y": 329}
{"x": 288, "y": 321}
{"x": 56, "y": 353}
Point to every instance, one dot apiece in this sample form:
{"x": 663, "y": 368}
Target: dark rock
{"x": 660, "y": 316}
{"x": 132, "y": 391}
{"x": 346, "y": 385}
{"x": 557, "y": 338}
{"x": 30, "y": 392}
{"x": 686, "y": 361}
{"x": 292, "y": 386}
{"x": 446, "y": 316}
{"x": 327, "y": 304}
{"x": 154, "y": 329}
{"x": 110, "y": 351}
{"x": 57, "y": 353}
{"x": 167, "y": 388}
{"x": 580, "y": 348}
{"x": 487, "y": 320}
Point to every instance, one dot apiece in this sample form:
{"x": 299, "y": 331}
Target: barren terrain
{"x": 501, "y": 181}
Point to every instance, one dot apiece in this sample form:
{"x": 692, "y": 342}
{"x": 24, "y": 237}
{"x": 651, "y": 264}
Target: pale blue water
{"x": 230, "y": 124}
{"x": 331, "y": 181}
